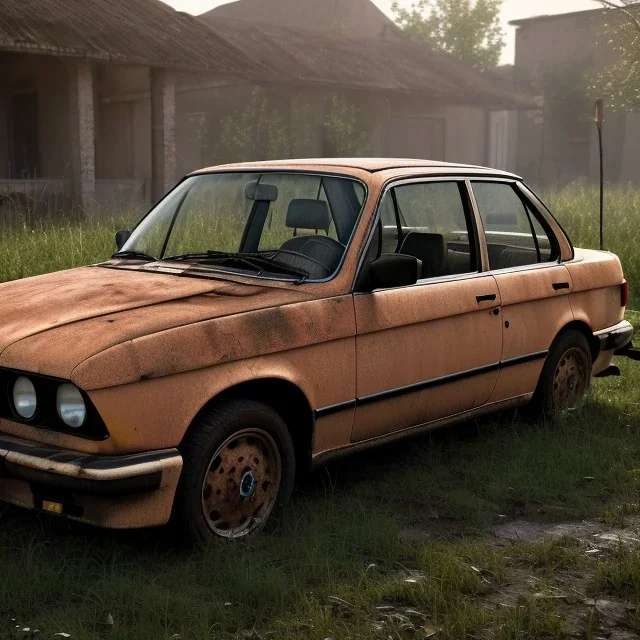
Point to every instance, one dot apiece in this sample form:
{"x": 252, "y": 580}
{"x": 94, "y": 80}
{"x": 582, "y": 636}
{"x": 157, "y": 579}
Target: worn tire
{"x": 254, "y": 427}
{"x": 565, "y": 377}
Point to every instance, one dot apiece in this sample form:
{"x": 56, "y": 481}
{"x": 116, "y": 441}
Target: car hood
{"x": 49, "y": 324}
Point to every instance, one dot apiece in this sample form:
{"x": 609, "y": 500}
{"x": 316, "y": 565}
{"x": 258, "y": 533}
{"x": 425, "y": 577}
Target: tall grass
{"x": 30, "y": 248}
{"x": 577, "y": 209}
{"x": 54, "y": 244}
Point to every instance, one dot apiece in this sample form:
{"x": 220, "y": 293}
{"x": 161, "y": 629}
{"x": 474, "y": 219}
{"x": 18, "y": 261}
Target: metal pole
{"x": 599, "y": 123}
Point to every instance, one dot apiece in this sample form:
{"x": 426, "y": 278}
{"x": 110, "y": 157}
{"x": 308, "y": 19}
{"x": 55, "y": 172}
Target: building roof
{"x": 555, "y": 16}
{"x": 299, "y": 57}
{"x": 372, "y": 165}
{"x": 128, "y": 31}
{"x": 355, "y": 18}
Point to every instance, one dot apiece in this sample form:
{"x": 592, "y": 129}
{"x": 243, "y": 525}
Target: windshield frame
{"x": 201, "y": 269}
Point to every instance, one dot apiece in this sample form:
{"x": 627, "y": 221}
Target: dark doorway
{"x": 24, "y": 130}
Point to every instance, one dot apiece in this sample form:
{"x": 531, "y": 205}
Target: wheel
{"x": 565, "y": 377}
{"x": 238, "y": 472}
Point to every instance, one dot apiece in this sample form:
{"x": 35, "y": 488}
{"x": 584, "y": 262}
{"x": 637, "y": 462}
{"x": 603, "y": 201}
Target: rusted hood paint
{"x": 51, "y": 324}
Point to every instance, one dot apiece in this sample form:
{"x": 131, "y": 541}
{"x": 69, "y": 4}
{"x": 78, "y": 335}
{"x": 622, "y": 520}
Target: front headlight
{"x": 70, "y": 406}
{"x": 25, "y": 401}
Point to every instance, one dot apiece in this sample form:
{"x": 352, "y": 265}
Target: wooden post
{"x": 599, "y": 119}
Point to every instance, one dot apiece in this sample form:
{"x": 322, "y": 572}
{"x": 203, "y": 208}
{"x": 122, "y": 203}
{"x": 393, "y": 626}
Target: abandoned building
{"x": 107, "y": 102}
{"x": 557, "y": 58}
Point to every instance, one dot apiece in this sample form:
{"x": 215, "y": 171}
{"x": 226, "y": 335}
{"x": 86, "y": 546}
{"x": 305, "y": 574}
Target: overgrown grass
{"x": 52, "y": 244}
{"x": 577, "y": 208}
{"x": 390, "y": 543}
{"x": 55, "y": 244}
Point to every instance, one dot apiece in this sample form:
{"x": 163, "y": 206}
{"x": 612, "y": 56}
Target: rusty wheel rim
{"x": 241, "y": 484}
{"x": 570, "y": 380}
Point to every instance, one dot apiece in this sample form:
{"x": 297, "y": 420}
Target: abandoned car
{"x": 264, "y": 318}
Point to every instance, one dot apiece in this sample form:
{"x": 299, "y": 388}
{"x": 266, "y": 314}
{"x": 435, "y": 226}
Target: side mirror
{"x": 392, "y": 270}
{"x": 121, "y": 238}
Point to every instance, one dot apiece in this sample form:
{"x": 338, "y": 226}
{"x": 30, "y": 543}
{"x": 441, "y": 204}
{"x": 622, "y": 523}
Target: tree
{"x": 620, "y": 81}
{"x": 470, "y": 30}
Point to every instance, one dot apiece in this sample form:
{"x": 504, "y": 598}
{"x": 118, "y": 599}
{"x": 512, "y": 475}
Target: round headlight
{"x": 70, "y": 405}
{"x": 24, "y": 398}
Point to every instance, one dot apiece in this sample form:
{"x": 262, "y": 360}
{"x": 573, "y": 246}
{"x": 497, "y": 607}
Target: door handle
{"x": 558, "y": 286}
{"x": 489, "y": 297}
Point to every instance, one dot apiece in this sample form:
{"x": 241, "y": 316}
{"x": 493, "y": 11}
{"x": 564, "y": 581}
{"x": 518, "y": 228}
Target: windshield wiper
{"x": 256, "y": 261}
{"x": 134, "y": 255}
{"x": 217, "y": 258}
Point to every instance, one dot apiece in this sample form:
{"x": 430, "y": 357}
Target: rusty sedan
{"x": 264, "y": 318}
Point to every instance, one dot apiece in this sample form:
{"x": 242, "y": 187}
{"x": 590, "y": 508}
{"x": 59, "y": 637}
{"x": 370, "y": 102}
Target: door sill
{"x": 411, "y": 432}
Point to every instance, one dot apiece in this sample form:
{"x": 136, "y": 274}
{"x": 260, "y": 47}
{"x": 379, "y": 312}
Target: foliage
{"x": 620, "y": 81}
{"x": 467, "y": 29}
{"x": 255, "y": 133}
{"x": 343, "y": 129}
{"x": 264, "y": 131}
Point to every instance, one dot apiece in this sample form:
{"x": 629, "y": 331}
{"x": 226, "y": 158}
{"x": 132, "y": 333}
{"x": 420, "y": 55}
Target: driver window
{"x": 435, "y": 227}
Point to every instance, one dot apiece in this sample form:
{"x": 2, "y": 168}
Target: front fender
{"x": 155, "y": 414}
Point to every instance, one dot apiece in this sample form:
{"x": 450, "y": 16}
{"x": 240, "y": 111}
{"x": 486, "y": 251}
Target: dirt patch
{"x": 593, "y": 534}
{"x": 571, "y": 592}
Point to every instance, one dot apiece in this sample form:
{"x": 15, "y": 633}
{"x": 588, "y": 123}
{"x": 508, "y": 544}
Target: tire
{"x": 565, "y": 377}
{"x": 238, "y": 473}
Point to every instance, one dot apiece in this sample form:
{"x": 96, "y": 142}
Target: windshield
{"x": 285, "y": 225}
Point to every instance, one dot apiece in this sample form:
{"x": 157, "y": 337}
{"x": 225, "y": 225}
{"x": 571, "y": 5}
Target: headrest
{"x": 430, "y": 248}
{"x": 261, "y": 192}
{"x": 501, "y": 220}
{"x": 309, "y": 214}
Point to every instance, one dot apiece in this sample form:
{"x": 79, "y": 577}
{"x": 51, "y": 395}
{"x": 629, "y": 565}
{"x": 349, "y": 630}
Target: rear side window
{"x": 431, "y": 221}
{"x": 515, "y": 233}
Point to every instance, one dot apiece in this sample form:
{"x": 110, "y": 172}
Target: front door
{"x": 430, "y": 350}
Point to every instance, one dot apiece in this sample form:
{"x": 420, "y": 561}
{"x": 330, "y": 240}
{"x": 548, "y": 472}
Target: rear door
{"x": 430, "y": 350}
{"x": 524, "y": 258}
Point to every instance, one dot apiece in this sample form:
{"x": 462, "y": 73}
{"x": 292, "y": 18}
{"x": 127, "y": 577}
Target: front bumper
{"x": 119, "y": 492}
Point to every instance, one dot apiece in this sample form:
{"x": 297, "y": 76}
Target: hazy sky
{"x": 512, "y": 10}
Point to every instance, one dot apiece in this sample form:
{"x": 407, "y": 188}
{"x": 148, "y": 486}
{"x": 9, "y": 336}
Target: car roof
{"x": 371, "y": 165}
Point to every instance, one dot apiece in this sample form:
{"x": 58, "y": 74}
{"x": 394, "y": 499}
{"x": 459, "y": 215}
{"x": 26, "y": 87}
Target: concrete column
{"x": 82, "y": 127}
{"x": 163, "y": 132}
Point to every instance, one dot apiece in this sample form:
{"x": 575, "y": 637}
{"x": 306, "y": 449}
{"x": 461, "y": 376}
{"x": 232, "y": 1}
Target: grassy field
{"x": 390, "y": 544}
{"x": 398, "y": 543}
{"x": 29, "y": 248}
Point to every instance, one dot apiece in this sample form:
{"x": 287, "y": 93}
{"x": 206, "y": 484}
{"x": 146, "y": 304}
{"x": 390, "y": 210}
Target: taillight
{"x": 624, "y": 293}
